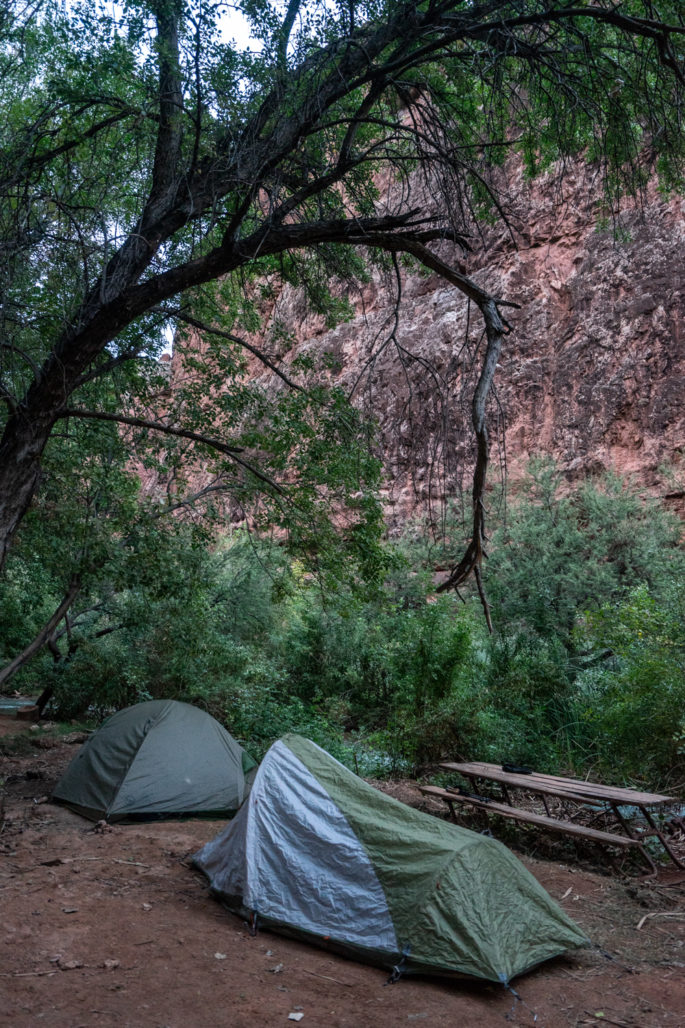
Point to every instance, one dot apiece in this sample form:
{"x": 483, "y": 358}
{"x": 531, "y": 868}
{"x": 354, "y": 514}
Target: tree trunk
{"x": 21, "y": 448}
{"x": 43, "y": 636}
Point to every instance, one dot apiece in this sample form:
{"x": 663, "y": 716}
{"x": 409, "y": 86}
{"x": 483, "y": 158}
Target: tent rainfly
{"x": 156, "y": 760}
{"x": 318, "y": 853}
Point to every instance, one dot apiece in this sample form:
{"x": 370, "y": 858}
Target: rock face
{"x": 596, "y": 373}
{"x": 592, "y": 373}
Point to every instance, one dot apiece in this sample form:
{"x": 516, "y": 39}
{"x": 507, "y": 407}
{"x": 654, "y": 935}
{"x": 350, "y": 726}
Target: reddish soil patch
{"x": 113, "y": 928}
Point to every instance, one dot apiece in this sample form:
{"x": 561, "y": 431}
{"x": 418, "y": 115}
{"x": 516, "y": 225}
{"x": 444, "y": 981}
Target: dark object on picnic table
{"x": 515, "y": 769}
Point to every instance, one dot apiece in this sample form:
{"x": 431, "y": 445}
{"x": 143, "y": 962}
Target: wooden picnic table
{"x": 573, "y": 790}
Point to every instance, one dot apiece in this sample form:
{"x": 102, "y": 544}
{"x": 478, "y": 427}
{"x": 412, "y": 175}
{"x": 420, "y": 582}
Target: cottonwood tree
{"x": 144, "y": 157}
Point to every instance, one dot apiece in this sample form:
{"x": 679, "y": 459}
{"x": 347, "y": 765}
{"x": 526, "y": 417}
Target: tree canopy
{"x": 153, "y": 172}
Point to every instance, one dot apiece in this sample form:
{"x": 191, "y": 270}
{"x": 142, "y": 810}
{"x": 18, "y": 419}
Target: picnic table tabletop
{"x": 570, "y": 788}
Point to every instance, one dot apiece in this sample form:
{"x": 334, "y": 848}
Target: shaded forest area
{"x": 585, "y": 671}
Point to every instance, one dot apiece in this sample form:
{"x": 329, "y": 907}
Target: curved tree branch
{"x": 473, "y": 557}
{"x": 181, "y": 433}
{"x": 181, "y": 315}
{"x": 39, "y": 161}
{"x": 46, "y": 631}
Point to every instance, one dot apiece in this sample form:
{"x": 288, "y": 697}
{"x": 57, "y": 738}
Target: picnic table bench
{"x": 530, "y": 817}
{"x": 574, "y": 791}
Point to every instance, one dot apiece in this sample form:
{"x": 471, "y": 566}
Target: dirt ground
{"x": 112, "y": 927}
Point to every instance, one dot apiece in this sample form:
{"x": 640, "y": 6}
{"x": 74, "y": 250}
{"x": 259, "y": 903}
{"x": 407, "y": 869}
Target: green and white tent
{"x": 318, "y": 853}
{"x": 156, "y": 760}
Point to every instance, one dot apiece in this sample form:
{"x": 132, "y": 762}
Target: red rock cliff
{"x": 593, "y": 371}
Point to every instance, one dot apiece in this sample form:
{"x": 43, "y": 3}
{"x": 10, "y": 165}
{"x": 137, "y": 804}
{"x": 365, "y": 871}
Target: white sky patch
{"x": 235, "y": 29}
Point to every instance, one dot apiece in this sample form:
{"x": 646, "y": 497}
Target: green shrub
{"x": 632, "y": 707}
{"x": 562, "y": 552}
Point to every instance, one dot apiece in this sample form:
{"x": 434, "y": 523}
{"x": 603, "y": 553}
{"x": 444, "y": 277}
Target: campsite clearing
{"x": 109, "y": 926}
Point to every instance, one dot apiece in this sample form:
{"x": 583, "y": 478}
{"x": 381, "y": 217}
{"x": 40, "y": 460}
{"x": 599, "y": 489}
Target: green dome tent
{"x": 318, "y": 853}
{"x": 155, "y": 760}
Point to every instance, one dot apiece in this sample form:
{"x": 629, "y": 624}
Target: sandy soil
{"x": 112, "y": 927}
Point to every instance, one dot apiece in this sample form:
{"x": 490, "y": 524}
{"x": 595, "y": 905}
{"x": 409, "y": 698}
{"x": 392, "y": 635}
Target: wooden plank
{"x": 589, "y": 790}
{"x": 518, "y": 782}
{"x": 528, "y": 817}
{"x": 577, "y": 783}
{"x": 594, "y": 789}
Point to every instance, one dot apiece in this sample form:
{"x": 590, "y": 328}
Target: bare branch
{"x": 189, "y": 319}
{"x": 181, "y": 433}
{"x": 37, "y": 162}
{"x": 11, "y": 348}
{"x": 217, "y": 486}
{"x": 415, "y": 245}
{"x": 472, "y": 559}
{"x": 153, "y": 426}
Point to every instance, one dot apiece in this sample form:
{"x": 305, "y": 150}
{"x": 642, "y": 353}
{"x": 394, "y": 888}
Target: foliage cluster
{"x": 585, "y": 672}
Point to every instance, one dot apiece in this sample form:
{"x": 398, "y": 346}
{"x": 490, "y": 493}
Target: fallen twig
{"x": 348, "y": 985}
{"x": 582, "y": 977}
{"x": 25, "y": 974}
{"x": 659, "y": 913}
{"x": 60, "y": 861}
